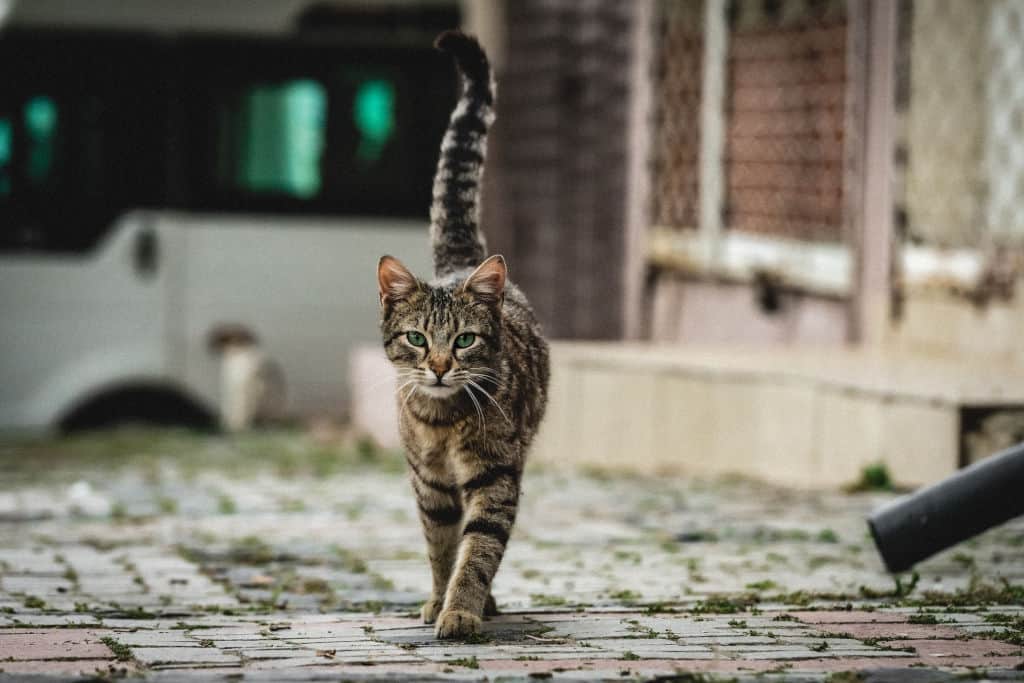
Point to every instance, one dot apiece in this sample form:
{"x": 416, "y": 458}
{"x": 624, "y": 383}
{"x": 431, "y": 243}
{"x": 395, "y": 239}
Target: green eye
{"x": 464, "y": 341}
{"x": 416, "y": 339}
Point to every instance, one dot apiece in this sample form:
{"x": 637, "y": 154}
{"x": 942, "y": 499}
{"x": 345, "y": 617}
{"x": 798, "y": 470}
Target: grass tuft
{"x": 873, "y": 477}
{"x": 122, "y": 652}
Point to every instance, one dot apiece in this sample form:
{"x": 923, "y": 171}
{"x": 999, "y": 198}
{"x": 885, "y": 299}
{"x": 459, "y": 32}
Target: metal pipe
{"x": 977, "y": 498}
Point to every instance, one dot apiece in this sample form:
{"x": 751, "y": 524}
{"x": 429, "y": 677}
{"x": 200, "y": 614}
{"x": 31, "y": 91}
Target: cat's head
{"x": 442, "y": 337}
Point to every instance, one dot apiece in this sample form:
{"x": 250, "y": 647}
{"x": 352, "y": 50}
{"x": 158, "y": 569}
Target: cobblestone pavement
{"x": 295, "y": 557}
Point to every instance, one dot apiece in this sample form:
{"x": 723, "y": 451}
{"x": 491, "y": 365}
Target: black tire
{"x": 151, "y": 404}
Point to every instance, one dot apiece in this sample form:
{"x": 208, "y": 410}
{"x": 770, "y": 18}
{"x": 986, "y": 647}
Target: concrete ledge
{"x": 797, "y": 417}
{"x": 801, "y": 417}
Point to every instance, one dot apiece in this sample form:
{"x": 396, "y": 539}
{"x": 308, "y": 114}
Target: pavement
{"x": 166, "y": 555}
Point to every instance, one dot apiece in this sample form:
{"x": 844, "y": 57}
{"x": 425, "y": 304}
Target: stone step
{"x": 799, "y": 417}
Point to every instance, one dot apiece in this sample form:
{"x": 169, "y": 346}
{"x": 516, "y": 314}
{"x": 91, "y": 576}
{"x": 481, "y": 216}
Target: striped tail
{"x": 455, "y": 211}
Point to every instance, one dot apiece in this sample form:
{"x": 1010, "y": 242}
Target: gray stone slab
{"x": 192, "y": 656}
{"x": 155, "y": 639}
{"x": 276, "y": 652}
{"x": 35, "y": 584}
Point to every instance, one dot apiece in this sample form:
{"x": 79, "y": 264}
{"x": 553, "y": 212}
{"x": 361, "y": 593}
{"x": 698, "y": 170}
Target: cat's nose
{"x": 439, "y": 367}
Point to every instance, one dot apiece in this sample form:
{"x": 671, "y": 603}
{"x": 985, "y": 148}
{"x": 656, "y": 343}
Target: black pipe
{"x": 977, "y": 498}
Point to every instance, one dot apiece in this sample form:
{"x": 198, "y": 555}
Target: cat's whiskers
{"x": 491, "y": 399}
{"x": 383, "y": 381}
{"x": 482, "y": 372}
{"x": 398, "y": 390}
{"x": 412, "y": 391}
{"x": 498, "y": 384}
{"x": 479, "y": 410}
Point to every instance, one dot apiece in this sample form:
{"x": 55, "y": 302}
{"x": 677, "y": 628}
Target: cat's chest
{"x": 431, "y": 442}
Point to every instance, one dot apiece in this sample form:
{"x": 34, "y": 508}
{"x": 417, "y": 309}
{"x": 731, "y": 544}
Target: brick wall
{"x": 555, "y": 196}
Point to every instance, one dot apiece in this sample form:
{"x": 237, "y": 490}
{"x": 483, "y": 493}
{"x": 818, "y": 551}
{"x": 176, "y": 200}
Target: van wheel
{"x": 150, "y": 404}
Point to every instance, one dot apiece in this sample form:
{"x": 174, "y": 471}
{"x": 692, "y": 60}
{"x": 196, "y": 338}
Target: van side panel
{"x": 305, "y": 286}
{"x": 73, "y": 324}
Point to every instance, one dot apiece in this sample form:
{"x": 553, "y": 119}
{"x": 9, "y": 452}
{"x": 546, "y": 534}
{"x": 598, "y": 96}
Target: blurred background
{"x": 776, "y": 237}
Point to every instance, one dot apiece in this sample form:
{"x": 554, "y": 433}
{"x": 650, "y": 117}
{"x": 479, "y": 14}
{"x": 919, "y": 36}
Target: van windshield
{"x": 93, "y": 125}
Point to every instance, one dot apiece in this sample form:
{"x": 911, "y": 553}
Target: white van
{"x": 158, "y": 180}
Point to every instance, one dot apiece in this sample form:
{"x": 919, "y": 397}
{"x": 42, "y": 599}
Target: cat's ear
{"x": 394, "y": 280}
{"x": 487, "y": 282}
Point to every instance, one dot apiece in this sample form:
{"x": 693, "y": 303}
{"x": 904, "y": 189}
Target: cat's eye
{"x": 416, "y": 339}
{"x": 464, "y": 341}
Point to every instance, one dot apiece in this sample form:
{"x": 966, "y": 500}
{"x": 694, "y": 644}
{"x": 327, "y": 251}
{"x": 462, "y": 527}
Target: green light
{"x": 306, "y": 103}
{"x": 5, "y": 142}
{"x": 374, "y": 115}
{"x": 285, "y": 138}
{"x": 41, "y": 126}
{"x": 41, "y": 116}
{"x": 5, "y": 156}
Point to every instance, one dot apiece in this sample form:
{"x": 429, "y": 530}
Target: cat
{"x": 473, "y": 370}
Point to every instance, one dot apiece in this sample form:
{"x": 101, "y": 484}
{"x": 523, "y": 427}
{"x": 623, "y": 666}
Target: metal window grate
{"x": 677, "y": 95}
{"x": 784, "y": 116}
{"x": 785, "y": 119}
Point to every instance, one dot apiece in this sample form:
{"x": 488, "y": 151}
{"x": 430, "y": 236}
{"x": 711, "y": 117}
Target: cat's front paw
{"x": 454, "y": 623}
{"x": 431, "y": 608}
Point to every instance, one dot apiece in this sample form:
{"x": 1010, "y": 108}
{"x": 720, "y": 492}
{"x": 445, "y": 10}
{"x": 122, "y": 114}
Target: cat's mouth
{"x": 438, "y": 390}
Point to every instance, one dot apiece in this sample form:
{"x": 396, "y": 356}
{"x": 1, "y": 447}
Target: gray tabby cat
{"x": 473, "y": 370}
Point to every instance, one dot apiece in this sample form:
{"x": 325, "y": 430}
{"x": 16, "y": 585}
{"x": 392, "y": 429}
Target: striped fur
{"x": 455, "y": 211}
{"x": 467, "y": 412}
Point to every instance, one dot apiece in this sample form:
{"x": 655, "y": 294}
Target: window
{"x": 82, "y": 128}
{"x": 96, "y": 124}
{"x": 750, "y": 149}
{"x": 272, "y": 138}
{"x": 306, "y": 129}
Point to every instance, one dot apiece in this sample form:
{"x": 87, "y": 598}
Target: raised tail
{"x": 455, "y": 212}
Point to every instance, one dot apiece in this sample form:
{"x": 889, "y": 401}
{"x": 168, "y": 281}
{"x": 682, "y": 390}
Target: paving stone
{"x": 891, "y": 630}
{"x": 61, "y": 667}
{"x": 35, "y": 584}
{"x": 587, "y": 558}
{"x": 957, "y": 648}
{"x": 347, "y": 645}
{"x": 550, "y": 652}
{"x": 778, "y": 653}
{"x": 278, "y": 652}
{"x": 850, "y": 617}
{"x": 726, "y": 639}
{"x": 983, "y": 628}
{"x": 153, "y": 638}
{"x": 53, "y": 644}
{"x": 55, "y": 620}
{"x": 449, "y": 652}
{"x": 376, "y": 667}
{"x": 586, "y": 629}
{"x": 182, "y": 655}
{"x": 30, "y": 561}
{"x": 337, "y": 631}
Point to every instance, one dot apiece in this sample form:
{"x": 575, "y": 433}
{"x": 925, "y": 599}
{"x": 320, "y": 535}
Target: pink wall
{"x": 717, "y": 313}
